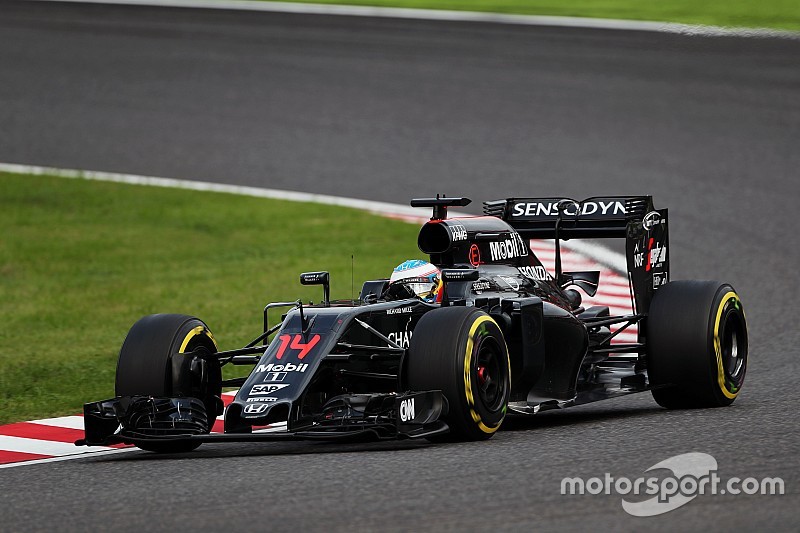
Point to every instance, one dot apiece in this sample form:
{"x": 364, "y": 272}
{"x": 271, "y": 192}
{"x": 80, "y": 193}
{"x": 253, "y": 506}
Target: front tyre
{"x": 697, "y": 344}
{"x": 461, "y": 351}
{"x": 168, "y": 355}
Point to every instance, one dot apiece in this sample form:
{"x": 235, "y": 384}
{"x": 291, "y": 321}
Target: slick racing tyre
{"x": 146, "y": 366}
{"x": 461, "y": 351}
{"x": 697, "y": 344}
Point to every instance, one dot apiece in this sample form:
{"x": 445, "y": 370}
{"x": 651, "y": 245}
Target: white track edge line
{"x": 242, "y": 190}
{"x": 456, "y": 16}
{"x": 40, "y": 446}
{"x": 85, "y": 455}
{"x": 599, "y": 253}
{"x": 65, "y": 422}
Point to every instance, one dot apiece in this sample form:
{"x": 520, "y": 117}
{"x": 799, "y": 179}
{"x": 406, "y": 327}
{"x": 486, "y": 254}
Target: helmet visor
{"x": 423, "y": 287}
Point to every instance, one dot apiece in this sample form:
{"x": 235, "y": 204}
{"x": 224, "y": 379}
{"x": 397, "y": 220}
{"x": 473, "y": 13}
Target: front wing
{"x": 146, "y": 419}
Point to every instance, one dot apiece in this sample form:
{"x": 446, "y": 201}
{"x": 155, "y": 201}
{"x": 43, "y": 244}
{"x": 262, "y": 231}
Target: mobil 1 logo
{"x": 276, "y": 373}
{"x": 510, "y": 248}
{"x": 274, "y": 377}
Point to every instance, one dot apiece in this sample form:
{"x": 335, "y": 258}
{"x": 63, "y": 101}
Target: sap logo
{"x": 458, "y": 232}
{"x": 288, "y": 367}
{"x": 401, "y": 338}
{"x": 255, "y": 409}
{"x": 399, "y": 310}
{"x": 508, "y": 249}
{"x": 267, "y": 389}
{"x": 407, "y": 410}
{"x": 536, "y": 273}
{"x": 651, "y": 220}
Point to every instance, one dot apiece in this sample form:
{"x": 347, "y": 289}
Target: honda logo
{"x": 255, "y": 408}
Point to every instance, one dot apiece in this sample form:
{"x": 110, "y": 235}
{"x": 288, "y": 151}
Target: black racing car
{"x": 505, "y": 337}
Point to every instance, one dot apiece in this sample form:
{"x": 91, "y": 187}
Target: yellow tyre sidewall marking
{"x": 468, "y": 375}
{"x": 199, "y": 330}
{"x": 718, "y": 346}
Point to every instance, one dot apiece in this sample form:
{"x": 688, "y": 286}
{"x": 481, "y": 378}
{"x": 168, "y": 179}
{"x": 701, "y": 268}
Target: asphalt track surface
{"x": 386, "y": 109}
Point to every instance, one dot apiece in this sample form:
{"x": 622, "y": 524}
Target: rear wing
{"x": 565, "y": 218}
{"x": 633, "y": 218}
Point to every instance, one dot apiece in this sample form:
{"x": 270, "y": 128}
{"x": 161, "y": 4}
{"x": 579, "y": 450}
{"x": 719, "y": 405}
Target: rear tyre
{"x": 697, "y": 345}
{"x": 461, "y": 351}
{"x": 146, "y": 366}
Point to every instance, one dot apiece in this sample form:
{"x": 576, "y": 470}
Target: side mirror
{"x": 318, "y": 278}
{"x": 453, "y": 274}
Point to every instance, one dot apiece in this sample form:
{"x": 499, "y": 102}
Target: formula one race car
{"x": 496, "y": 333}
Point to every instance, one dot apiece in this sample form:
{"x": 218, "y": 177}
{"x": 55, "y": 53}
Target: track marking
{"x": 42, "y": 447}
{"x": 70, "y": 422}
{"x": 66, "y": 457}
{"x": 456, "y": 16}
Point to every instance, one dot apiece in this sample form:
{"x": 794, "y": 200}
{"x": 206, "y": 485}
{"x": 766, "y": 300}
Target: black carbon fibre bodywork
{"x": 336, "y": 369}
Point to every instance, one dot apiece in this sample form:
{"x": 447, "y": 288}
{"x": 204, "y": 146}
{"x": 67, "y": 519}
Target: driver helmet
{"x": 420, "y": 277}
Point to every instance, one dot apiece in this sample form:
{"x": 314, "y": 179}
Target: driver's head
{"x": 420, "y": 277}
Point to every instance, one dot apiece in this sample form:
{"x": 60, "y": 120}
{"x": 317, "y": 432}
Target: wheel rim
{"x": 490, "y": 374}
{"x": 203, "y": 380}
{"x": 734, "y": 347}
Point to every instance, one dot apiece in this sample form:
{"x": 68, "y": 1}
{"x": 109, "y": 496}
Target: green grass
{"x": 781, "y": 14}
{"x": 80, "y": 261}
